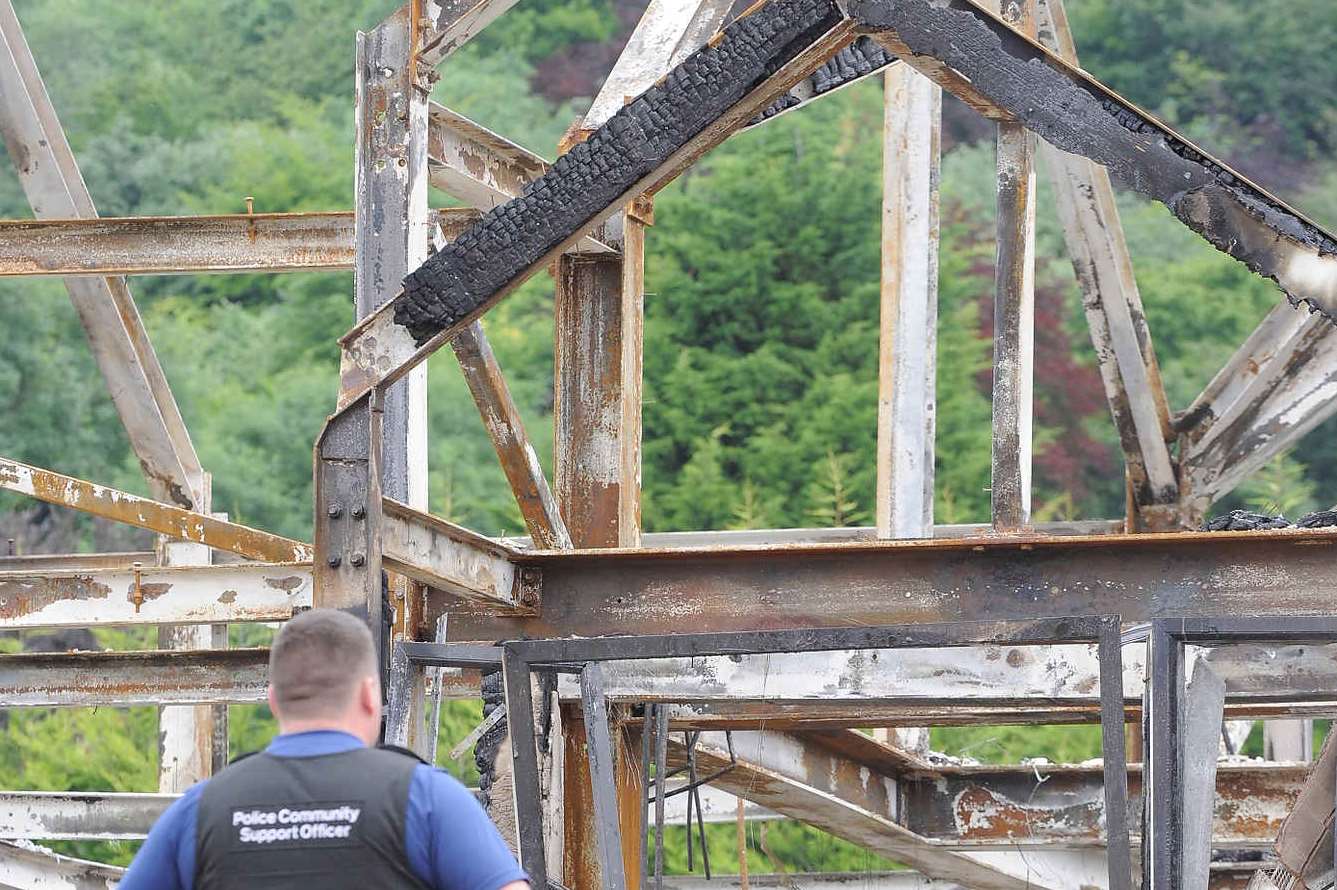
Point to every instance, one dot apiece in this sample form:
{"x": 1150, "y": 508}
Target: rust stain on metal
{"x": 227, "y": 597}
{"x": 981, "y": 814}
{"x": 27, "y": 596}
{"x": 287, "y": 583}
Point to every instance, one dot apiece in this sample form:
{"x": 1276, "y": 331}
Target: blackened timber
{"x": 596, "y": 174}
{"x": 999, "y": 71}
{"x": 852, "y": 64}
{"x": 1290, "y": 572}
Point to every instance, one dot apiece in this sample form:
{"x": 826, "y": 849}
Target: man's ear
{"x": 371, "y": 695}
{"x": 269, "y": 696}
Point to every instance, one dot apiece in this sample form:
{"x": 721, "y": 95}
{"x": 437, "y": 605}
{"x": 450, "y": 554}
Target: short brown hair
{"x": 317, "y": 661}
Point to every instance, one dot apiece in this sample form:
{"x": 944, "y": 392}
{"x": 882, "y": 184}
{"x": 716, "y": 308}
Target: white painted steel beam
{"x": 188, "y": 245}
{"x": 55, "y": 188}
{"x": 185, "y": 594}
{"x": 452, "y": 559}
{"x": 784, "y": 774}
{"x": 668, "y": 32}
{"x": 1030, "y": 684}
{"x": 475, "y": 165}
{"x": 78, "y": 815}
{"x": 909, "y": 312}
{"x": 446, "y": 25}
{"x": 26, "y": 866}
{"x": 165, "y": 519}
{"x": 1114, "y": 314}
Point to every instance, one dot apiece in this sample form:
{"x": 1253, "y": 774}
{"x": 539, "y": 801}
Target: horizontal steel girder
{"x": 188, "y": 245}
{"x": 162, "y": 677}
{"x": 640, "y": 591}
{"x": 154, "y": 595}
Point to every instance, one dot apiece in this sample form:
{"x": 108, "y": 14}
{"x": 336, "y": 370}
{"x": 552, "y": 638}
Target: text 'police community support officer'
{"x": 319, "y": 808}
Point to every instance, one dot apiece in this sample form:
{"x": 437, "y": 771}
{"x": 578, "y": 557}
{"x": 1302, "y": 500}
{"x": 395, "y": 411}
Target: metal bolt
{"x": 335, "y": 511}
{"x": 359, "y": 512}
{"x": 358, "y": 559}
{"x": 334, "y": 562}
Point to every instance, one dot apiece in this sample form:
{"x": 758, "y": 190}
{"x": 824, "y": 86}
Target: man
{"x": 319, "y": 808}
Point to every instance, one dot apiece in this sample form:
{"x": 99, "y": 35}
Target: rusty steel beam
{"x": 446, "y": 25}
{"x": 516, "y": 452}
{"x": 199, "y": 594}
{"x": 1062, "y": 806}
{"x": 454, "y": 560}
{"x": 165, "y": 519}
{"x": 55, "y": 188}
{"x": 30, "y": 867}
{"x": 1035, "y": 685}
{"x": 188, "y": 245}
{"x": 75, "y": 815}
{"x": 158, "y": 677}
{"x": 76, "y": 562}
{"x": 631, "y": 591}
{"x": 379, "y": 350}
{"x": 994, "y": 68}
{"x": 785, "y": 774}
{"x": 1119, "y": 333}
{"x": 482, "y": 169}
{"x": 1278, "y": 386}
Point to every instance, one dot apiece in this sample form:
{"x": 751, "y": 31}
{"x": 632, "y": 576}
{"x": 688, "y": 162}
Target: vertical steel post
{"x": 525, "y": 768}
{"x": 907, "y": 361}
{"x": 1161, "y": 829}
{"x": 1117, "y": 843}
{"x": 1014, "y": 311}
{"x": 603, "y": 777}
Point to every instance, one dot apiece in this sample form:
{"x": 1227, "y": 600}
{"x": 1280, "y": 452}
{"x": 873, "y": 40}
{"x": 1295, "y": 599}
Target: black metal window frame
{"x": 1163, "y": 821}
{"x": 519, "y": 659}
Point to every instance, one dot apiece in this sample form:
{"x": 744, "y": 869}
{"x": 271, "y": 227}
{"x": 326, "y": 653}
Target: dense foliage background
{"x": 762, "y": 297}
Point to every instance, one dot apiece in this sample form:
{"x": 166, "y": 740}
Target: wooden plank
{"x": 165, "y": 519}
{"x": 1113, "y": 305}
{"x": 1014, "y": 312}
{"x": 909, "y": 313}
{"x": 55, "y": 188}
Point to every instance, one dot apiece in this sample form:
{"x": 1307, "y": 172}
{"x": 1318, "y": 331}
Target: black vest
{"x": 333, "y": 822}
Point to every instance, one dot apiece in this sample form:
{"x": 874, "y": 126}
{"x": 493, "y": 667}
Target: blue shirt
{"x": 451, "y": 843}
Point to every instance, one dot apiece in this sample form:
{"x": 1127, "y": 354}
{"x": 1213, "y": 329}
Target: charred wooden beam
{"x": 485, "y": 170}
{"x": 638, "y": 151}
{"x": 1000, "y": 71}
{"x": 668, "y": 32}
{"x": 165, "y": 519}
{"x": 201, "y": 594}
{"x": 862, "y": 58}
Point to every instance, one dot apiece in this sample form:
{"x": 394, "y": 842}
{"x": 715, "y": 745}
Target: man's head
{"x": 323, "y": 674}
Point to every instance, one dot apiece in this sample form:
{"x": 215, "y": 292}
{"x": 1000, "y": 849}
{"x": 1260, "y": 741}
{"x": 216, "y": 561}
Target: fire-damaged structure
{"x": 629, "y": 674}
